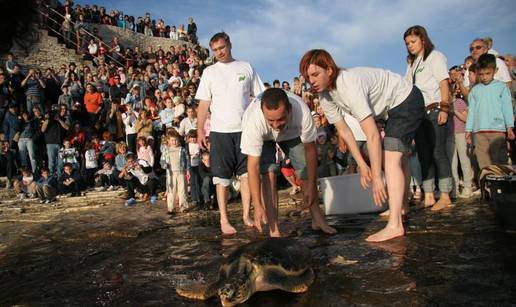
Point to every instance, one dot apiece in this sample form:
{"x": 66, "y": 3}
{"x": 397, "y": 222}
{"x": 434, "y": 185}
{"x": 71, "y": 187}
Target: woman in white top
{"x": 428, "y": 70}
{"x": 368, "y": 94}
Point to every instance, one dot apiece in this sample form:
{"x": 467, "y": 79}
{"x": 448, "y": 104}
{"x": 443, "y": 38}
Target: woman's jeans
{"x": 26, "y": 148}
{"x": 431, "y": 139}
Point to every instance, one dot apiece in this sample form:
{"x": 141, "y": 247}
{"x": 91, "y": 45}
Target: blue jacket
{"x": 11, "y": 126}
{"x": 490, "y": 108}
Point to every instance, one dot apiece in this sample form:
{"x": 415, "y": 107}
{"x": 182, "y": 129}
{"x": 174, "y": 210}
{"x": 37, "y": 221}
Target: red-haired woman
{"x": 368, "y": 94}
{"x": 428, "y": 70}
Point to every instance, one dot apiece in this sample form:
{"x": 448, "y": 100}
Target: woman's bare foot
{"x": 404, "y": 211}
{"x": 428, "y": 201}
{"x": 441, "y": 204}
{"x": 227, "y": 229}
{"x": 386, "y": 234}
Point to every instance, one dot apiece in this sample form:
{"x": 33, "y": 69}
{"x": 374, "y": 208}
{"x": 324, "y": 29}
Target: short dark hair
{"x": 273, "y": 98}
{"x": 219, "y": 36}
{"x": 487, "y": 61}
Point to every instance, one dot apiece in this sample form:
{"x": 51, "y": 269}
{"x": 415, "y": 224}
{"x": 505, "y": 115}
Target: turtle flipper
{"x": 289, "y": 282}
{"x": 199, "y": 291}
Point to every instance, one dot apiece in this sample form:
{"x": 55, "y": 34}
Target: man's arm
{"x": 202, "y": 114}
{"x": 253, "y": 176}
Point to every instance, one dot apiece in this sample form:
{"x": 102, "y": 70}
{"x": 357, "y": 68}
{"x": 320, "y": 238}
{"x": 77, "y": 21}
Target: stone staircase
{"x": 48, "y": 52}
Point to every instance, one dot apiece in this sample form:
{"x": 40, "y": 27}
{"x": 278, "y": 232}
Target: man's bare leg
{"x": 222, "y": 200}
{"x": 270, "y": 201}
{"x": 245, "y": 194}
{"x": 396, "y": 190}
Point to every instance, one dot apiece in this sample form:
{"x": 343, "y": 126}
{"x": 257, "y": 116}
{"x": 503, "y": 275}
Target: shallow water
{"x": 136, "y": 257}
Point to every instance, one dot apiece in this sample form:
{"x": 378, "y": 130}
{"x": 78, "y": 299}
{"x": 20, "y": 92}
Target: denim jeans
{"x": 195, "y": 184}
{"x": 33, "y": 101}
{"x": 207, "y": 189}
{"x": 26, "y": 148}
{"x": 431, "y": 139}
{"x": 52, "y": 151}
{"x": 458, "y": 151}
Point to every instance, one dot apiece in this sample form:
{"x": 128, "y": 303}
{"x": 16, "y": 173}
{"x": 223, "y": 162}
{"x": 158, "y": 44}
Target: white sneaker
{"x": 110, "y": 188}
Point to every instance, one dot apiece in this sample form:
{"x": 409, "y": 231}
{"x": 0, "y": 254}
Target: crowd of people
{"x": 133, "y": 123}
{"x": 73, "y": 21}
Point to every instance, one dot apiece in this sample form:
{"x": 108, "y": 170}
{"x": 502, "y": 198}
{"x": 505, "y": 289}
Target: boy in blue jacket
{"x": 490, "y": 115}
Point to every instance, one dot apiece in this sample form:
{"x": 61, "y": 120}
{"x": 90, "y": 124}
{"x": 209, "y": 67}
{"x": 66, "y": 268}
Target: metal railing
{"x": 75, "y": 33}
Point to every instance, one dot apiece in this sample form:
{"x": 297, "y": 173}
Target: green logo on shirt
{"x": 241, "y": 77}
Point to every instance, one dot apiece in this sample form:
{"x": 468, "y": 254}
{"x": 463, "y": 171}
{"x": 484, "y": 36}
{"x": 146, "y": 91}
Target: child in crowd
{"x": 194, "y": 153}
{"x": 138, "y": 175}
{"x": 23, "y": 184}
{"x": 207, "y": 187}
{"x": 107, "y": 148}
{"x": 46, "y": 187}
{"x": 490, "y": 115}
{"x": 145, "y": 151}
{"x": 91, "y": 163}
{"x": 68, "y": 154}
{"x": 120, "y": 160}
{"x": 175, "y": 160}
{"x": 322, "y": 155}
{"x": 105, "y": 178}
{"x": 70, "y": 182}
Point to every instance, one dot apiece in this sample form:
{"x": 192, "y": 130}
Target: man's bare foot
{"x": 275, "y": 234}
{"x": 441, "y": 204}
{"x": 324, "y": 228}
{"x": 386, "y": 234}
{"x": 227, "y": 229}
{"x": 248, "y": 222}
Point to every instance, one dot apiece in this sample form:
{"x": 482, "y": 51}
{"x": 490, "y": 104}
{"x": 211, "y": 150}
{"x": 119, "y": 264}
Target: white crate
{"x": 344, "y": 195}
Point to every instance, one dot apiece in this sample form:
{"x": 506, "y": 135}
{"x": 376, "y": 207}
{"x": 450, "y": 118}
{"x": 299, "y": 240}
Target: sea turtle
{"x": 270, "y": 264}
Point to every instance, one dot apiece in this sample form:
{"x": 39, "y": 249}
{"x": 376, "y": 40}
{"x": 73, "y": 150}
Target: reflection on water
{"x": 137, "y": 256}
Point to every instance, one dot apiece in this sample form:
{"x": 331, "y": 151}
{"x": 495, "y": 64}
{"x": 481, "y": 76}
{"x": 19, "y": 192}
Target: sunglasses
{"x": 478, "y": 47}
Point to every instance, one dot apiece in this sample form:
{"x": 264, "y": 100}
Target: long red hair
{"x": 321, "y": 58}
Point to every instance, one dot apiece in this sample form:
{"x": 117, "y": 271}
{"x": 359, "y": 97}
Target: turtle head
{"x": 235, "y": 290}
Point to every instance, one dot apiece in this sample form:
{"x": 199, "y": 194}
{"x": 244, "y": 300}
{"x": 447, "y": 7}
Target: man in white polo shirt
{"x": 276, "y": 117}
{"x": 225, "y": 89}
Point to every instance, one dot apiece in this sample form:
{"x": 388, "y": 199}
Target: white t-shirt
{"x": 256, "y": 129}
{"x": 502, "y": 73}
{"x": 428, "y": 73}
{"x": 364, "y": 91}
{"x": 186, "y": 125}
{"x": 92, "y": 49}
{"x": 354, "y": 125}
{"x": 130, "y": 122}
{"x": 229, "y": 87}
{"x": 194, "y": 152}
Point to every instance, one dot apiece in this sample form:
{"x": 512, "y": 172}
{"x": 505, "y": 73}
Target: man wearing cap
{"x": 278, "y": 118}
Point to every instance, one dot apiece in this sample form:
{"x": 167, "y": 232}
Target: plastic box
{"x": 503, "y": 196}
{"x": 344, "y": 195}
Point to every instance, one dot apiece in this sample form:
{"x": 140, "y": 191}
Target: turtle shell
{"x": 280, "y": 252}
